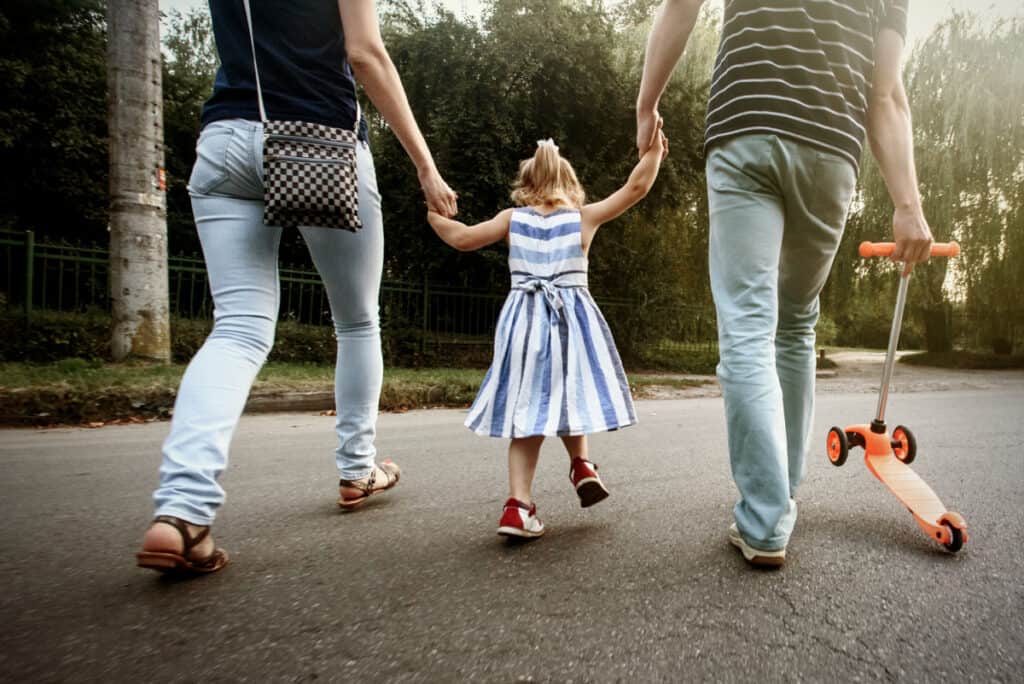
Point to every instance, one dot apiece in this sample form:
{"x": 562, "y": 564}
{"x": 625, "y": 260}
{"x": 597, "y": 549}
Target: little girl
{"x": 556, "y": 371}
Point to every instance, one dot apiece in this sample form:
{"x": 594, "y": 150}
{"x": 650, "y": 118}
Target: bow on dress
{"x": 548, "y": 288}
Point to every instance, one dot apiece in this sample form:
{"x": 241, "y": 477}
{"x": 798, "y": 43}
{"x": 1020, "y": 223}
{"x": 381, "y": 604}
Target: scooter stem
{"x": 890, "y": 354}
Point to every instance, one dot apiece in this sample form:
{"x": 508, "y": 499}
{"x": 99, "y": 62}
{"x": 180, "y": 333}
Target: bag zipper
{"x": 309, "y": 140}
{"x": 306, "y": 160}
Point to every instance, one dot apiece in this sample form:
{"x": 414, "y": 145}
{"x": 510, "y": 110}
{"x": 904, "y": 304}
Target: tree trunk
{"x": 138, "y": 210}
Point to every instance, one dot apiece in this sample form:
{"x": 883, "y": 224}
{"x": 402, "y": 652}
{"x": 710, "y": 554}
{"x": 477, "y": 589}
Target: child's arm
{"x": 635, "y": 189}
{"x": 467, "y": 238}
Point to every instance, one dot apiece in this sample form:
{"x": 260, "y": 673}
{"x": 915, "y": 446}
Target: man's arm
{"x": 376, "y": 72}
{"x": 892, "y": 143}
{"x": 671, "y": 29}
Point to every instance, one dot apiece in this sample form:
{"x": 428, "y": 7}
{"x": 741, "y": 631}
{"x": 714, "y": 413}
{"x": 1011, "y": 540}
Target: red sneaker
{"x": 583, "y": 475}
{"x": 520, "y": 520}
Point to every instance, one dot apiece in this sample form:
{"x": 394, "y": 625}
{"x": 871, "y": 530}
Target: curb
{"x": 289, "y": 402}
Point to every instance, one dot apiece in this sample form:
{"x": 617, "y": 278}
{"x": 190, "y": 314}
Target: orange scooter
{"x": 889, "y": 457}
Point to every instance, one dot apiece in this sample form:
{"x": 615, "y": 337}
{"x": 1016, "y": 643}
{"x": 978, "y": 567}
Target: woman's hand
{"x": 375, "y": 71}
{"x": 440, "y": 198}
{"x": 648, "y": 125}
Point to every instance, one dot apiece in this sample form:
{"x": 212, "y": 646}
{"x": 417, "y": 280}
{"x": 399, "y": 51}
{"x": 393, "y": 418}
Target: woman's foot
{"x": 354, "y": 493}
{"x": 520, "y": 520}
{"x": 175, "y": 545}
{"x": 584, "y": 477}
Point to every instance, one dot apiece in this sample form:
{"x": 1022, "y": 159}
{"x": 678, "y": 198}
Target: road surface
{"x": 417, "y": 587}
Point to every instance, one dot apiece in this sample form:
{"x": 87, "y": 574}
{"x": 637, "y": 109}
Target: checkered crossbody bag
{"x": 309, "y": 170}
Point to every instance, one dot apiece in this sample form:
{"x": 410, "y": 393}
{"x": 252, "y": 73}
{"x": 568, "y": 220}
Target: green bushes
{"x": 50, "y": 337}
{"x": 675, "y": 359}
{"x": 965, "y": 360}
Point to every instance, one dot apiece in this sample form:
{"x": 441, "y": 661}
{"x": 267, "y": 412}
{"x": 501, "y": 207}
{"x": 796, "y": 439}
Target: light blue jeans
{"x": 777, "y": 211}
{"x": 241, "y": 260}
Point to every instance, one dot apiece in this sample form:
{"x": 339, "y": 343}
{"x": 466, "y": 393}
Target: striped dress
{"x": 555, "y": 371}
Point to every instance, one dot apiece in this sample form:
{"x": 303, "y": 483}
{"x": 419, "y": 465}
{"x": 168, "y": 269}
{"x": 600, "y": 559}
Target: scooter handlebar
{"x": 884, "y": 249}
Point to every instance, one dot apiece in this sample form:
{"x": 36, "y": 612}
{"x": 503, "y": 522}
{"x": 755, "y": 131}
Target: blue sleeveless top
{"x": 300, "y": 49}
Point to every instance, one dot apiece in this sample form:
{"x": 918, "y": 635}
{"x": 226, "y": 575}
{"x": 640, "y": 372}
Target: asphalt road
{"x": 417, "y": 587}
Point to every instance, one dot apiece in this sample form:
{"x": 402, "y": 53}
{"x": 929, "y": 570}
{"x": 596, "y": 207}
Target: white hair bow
{"x": 546, "y": 142}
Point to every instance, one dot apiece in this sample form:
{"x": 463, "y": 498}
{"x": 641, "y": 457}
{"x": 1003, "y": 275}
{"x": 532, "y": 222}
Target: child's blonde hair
{"x": 547, "y": 178}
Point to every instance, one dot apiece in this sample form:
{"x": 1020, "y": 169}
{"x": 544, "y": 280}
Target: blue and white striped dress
{"x": 555, "y": 371}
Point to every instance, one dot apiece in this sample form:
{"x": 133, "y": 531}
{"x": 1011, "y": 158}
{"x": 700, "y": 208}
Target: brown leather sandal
{"x": 170, "y": 562}
{"x": 367, "y": 485}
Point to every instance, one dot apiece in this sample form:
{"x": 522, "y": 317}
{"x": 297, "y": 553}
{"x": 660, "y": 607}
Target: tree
{"x": 965, "y": 84}
{"x": 53, "y": 128}
{"x": 189, "y": 66}
{"x": 138, "y": 214}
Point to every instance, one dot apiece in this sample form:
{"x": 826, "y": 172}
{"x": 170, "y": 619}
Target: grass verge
{"x": 75, "y": 391}
{"x": 965, "y": 360}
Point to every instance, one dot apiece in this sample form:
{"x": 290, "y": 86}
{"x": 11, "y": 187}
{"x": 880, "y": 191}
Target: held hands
{"x": 912, "y": 236}
{"x": 440, "y": 198}
{"x": 648, "y": 126}
{"x": 660, "y": 144}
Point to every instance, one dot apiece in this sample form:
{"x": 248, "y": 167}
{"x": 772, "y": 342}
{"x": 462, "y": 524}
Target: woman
{"x": 310, "y": 53}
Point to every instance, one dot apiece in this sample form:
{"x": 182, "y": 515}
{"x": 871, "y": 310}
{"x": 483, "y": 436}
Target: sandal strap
{"x": 389, "y": 469}
{"x": 188, "y": 541}
{"x": 365, "y": 485}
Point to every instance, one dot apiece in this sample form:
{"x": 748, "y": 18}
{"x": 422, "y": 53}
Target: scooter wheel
{"x": 838, "y": 446}
{"x": 956, "y": 538}
{"x": 904, "y": 445}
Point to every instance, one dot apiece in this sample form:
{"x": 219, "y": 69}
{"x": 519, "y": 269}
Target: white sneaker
{"x": 520, "y": 520}
{"x": 757, "y": 557}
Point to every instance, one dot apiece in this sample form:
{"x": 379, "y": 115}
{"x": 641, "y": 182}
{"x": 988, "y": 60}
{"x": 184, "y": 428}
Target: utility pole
{"x": 138, "y": 208}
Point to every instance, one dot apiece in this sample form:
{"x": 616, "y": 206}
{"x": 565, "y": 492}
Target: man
{"x": 797, "y": 86}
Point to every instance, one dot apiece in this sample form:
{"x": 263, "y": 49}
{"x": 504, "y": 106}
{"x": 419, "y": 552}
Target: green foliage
{"x": 826, "y": 331}
{"x": 676, "y": 359}
{"x": 72, "y": 338}
{"x": 53, "y": 153}
{"x": 965, "y": 85}
{"x": 189, "y": 66}
{"x": 965, "y": 360}
{"x": 483, "y": 93}
{"x": 534, "y": 69}
{"x": 50, "y": 337}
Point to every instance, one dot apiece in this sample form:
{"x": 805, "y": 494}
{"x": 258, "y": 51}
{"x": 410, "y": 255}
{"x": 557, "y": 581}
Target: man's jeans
{"x": 241, "y": 260}
{"x": 777, "y": 211}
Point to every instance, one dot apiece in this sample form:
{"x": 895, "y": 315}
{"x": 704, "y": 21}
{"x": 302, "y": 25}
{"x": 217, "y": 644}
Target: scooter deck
{"x": 907, "y": 486}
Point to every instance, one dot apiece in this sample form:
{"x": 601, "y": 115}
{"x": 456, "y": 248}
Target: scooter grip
{"x": 884, "y": 249}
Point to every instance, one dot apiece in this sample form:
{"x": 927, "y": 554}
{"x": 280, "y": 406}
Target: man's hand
{"x": 648, "y": 125}
{"x": 439, "y": 196}
{"x": 912, "y": 236}
{"x": 672, "y": 25}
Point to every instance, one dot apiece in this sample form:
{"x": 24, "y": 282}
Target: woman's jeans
{"x": 777, "y": 211}
{"x": 241, "y": 259}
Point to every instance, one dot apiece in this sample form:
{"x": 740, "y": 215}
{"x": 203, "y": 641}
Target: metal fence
{"x": 49, "y": 275}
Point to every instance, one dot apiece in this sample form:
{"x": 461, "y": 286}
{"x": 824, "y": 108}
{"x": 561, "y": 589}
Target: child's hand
{"x": 663, "y": 143}
{"x": 433, "y": 217}
{"x": 659, "y": 146}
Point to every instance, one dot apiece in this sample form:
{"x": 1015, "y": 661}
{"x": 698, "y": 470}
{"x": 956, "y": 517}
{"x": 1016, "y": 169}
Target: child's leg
{"x": 523, "y": 453}
{"x": 583, "y": 473}
{"x": 576, "y": 446}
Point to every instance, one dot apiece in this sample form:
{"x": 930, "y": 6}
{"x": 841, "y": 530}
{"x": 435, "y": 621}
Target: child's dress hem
{"x": 569, "y": 433}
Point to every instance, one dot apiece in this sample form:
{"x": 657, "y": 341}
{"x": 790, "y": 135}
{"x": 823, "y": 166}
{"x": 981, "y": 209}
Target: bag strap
{"x": 256, "y": 70}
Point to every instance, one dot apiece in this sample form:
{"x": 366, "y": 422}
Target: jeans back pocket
{"x": 210, "y": 170}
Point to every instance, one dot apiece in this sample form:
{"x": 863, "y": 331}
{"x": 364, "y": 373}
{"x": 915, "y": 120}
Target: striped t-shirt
{"x": 800, "y": 69}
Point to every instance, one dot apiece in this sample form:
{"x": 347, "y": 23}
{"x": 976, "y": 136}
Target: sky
{"x": 924, "y": 14}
